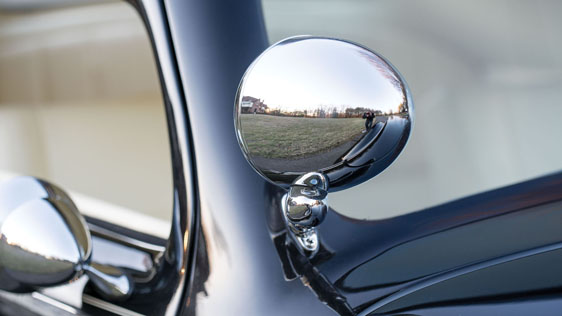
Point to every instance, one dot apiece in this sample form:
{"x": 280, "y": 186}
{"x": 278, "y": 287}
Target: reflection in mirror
{"x": 44, "y": 241}
{"x": 318, "y": 104}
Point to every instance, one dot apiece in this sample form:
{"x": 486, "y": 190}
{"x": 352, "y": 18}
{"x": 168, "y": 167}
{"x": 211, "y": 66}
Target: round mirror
{"x": 310, "y": 104}
{"x": 43, "y": 239}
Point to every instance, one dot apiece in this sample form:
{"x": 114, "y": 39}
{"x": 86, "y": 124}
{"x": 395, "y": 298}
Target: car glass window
{"x": 81, "y": 106}
{"x": 486, "y": 80}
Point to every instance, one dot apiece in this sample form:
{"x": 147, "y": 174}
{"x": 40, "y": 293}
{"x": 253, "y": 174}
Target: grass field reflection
{"x": 284, "y": 137}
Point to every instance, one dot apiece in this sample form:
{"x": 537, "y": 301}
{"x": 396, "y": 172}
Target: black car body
{"x": 494, "y": 253}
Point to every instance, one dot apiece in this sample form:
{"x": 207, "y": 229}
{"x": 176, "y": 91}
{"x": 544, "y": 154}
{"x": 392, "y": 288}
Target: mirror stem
{"x": 110, "y": 282}
{"x": 305, "y": 207}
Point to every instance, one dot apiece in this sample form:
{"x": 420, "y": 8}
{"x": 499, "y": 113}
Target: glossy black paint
{"x": 375, "y": 262}
{"x": 229, "y": 252}
{"x": 532, "y": 275}
{"x": 215, "y": 41}
{"x": 240, "y": 267}
{"x": 547, "y": 305}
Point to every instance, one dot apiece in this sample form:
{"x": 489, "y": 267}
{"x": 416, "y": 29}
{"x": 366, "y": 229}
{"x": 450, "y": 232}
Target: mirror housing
{"x": 44, "y": 241}
{"x": 316, "y": 115}
{"x": 313, "y": 104}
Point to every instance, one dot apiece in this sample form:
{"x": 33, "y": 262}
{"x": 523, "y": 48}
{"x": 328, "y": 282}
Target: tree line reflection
{"x": 252, "y": 105}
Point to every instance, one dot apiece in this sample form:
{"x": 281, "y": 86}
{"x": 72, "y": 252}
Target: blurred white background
{"x": 486, "y": 80}
{"x": 81, "y": 106}
{"x": 80, "y": 101}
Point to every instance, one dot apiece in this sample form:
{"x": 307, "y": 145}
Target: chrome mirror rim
{"x": 350, "y": 170}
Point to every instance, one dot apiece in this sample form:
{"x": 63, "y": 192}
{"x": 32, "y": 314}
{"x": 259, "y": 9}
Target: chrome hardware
{"x": 312, "y": 104}
{"x": 44, "y": 241}
{"x": 320, "y": 109}
{"x": 306, "y": 207}
{"x": 111, "y": 282}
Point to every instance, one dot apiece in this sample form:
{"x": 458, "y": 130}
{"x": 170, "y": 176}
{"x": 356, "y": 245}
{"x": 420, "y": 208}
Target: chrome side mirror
{"x": 318, "y": 114}
{"x": 44, "y": 241}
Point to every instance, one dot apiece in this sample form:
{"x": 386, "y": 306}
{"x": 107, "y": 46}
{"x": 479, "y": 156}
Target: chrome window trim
{"x": 180, "y": 250}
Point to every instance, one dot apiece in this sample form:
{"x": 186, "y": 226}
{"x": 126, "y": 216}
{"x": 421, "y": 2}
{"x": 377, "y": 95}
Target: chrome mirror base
{"x": 304, "y": 207}
{"x": 307, "y": 239}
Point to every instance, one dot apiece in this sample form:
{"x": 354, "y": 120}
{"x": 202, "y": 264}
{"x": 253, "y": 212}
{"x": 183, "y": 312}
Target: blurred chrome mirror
{"x": 44, "y": 241}
{"x": 321, "y": 106}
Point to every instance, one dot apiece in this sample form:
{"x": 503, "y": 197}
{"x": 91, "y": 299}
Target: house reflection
{"x": 252, "y": 105}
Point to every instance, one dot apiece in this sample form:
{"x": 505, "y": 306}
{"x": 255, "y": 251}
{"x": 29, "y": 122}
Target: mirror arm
{"x": 112, "y": 283}
{"x": 304, "y": 208}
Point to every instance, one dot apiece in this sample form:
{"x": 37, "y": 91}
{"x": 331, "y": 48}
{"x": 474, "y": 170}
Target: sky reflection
{"x": 325, "y": 73}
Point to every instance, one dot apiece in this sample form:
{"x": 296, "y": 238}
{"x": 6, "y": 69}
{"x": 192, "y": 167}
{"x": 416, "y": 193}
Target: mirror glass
{"x": 319, "y": 104}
